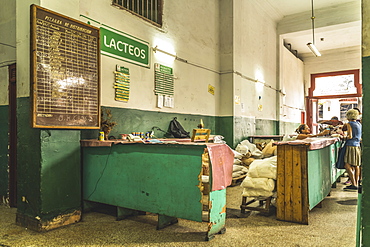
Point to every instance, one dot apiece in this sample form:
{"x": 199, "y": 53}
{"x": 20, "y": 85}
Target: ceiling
{"x": 342, "y": 36}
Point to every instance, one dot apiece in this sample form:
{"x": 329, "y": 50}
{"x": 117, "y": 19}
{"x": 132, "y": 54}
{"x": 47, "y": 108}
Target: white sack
{"x": 262, "y": 184}
{"x": 237, "y": 168}
{"x": 242, "y": 149}
{"x": 238, "y": 174}
{"x": 252, "y": 147}
{"x": 237, "y": 155}
{"x": 245, "y": 169}
{"x": 237, "y": 162}
{"x": 257, "y": 154}
{"x": 266, "y": 168}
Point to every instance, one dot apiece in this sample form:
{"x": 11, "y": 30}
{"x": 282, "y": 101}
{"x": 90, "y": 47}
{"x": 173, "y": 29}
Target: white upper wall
{"x": 331, "y": 61}
{"x": 7, "y": 46}
{"x": 190, "y": 28}
{"x": 292, "y": 86}
{"x": 255, "y": 58}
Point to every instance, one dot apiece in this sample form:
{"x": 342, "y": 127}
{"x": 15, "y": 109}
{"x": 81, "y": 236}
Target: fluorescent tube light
{"x": 314, "y": 49}
{"x": 155, "y": 49}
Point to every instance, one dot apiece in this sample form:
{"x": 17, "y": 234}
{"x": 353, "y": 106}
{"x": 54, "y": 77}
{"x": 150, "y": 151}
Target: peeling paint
{"x": 62, "y": 220}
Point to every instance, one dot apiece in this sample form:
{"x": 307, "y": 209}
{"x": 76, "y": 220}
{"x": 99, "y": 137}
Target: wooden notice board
{"x": 65, "y": 71}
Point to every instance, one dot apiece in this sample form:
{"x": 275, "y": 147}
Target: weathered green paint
{"x": 287, "y": 128}
{"x": 233, "y": 129}
{"x": 225, "y": 127}
{"x": 48, "y": 168}
{"x": 60, "y": 170}
{"x": 4, "y": 128}
{"x": 365, "y": 140}
{"x": 319, "y": 174}
{"x": 160, "y": 178}
{"x": 217, "y": 213}
{"x": 133, "y": 120}
{"x": 243, "y": 127}
{"x": 266, "y": 127}
{"x": 28, "y": 162}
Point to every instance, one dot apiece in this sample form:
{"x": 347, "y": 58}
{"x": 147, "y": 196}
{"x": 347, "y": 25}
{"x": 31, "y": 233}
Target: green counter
{"x": 158, "y": 178}
{"x": 305, "y": 175}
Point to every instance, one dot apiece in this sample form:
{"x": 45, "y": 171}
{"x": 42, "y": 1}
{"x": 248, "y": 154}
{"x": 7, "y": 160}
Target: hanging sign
{"x": 124, "y": 47}
{"x": 122, "y": 84}
{"x": 163, "y": 80}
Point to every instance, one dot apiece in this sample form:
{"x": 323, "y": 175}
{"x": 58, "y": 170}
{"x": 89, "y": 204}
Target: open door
{"x": 312, "y": 114}
{"x": 330, "y": 85}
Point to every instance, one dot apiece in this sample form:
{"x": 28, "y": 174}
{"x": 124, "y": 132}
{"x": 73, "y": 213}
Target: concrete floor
{"x": 332, "y": 225}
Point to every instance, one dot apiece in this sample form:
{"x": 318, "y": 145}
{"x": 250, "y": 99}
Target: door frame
{"x": 310, "y": 99}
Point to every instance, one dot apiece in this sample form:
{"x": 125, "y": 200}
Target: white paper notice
{"x": 159, "y": 101}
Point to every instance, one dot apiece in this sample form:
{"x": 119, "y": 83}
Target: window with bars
{"x": 150, "y": 10}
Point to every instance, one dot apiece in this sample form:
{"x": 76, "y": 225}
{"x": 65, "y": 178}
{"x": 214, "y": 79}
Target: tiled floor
{"x": 332, "y": 225}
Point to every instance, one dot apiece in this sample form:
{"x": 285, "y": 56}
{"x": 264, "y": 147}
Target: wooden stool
{"x": 263, "y": 207}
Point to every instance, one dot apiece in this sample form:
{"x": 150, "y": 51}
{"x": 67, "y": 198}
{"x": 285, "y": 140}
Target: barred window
{"x": 150, "y": 10}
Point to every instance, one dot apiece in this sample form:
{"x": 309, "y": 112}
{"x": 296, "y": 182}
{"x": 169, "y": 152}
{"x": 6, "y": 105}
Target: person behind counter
{"x": 304, "y": 131}
{"x": 352, "y": 157}
{"x": 334, "y": 121}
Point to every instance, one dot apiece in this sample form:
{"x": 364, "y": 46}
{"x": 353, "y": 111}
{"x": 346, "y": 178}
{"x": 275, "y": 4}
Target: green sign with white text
{"x": 124, "y": 47}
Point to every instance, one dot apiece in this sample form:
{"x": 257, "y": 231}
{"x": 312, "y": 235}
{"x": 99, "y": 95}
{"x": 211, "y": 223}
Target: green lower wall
{"x": 4, "y": 151}
{"x": 60, "y": 171}
{"x": 49, "y": 177}
{"x": 266, "y": 127}
{"x": 133, "y": 120}
{"x": 225, "y": 127}
{"x": 49, "y": 159}
{"x": 288, "y": 128}
{"x": 366, "y": 151}
{"x": 243, "y": 128}
{"x": 28, "y": 161}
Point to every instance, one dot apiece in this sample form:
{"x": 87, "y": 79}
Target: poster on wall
{"x": 65, "y": 71}
{"x": 164, "y": 85}
{"x": 122, "y": 84}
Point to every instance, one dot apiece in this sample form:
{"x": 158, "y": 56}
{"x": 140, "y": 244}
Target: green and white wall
{"x": 233, "y": 45}
{"x": 365, "y": 217}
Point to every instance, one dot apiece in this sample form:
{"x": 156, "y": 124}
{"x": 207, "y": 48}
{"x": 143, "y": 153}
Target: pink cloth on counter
{"x": 222, "y": 160}
{"x": 314, "y": 143}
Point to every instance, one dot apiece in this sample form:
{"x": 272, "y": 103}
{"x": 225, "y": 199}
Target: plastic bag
{"x": 177, "y": 130}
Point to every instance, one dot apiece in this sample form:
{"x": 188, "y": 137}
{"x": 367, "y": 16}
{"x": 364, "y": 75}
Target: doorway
{"x": 332, "y": 94}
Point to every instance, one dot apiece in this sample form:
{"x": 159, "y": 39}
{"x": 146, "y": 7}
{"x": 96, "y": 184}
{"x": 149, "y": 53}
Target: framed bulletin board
{"x": 65, "y": 71}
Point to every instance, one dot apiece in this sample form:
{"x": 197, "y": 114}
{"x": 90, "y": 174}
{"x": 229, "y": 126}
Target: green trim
{"x": 90, "y": 19}
{"x": 4, "y": 128}
{"x": 365, "y": 202}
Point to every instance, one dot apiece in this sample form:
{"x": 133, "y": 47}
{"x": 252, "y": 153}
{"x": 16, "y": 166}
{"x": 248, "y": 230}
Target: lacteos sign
{"x": 124, "y": 47}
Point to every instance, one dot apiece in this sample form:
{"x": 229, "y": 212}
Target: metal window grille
{"x": 150, "y": 10}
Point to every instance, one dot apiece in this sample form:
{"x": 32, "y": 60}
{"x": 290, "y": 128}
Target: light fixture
{"x": 314, "y": 49}
{"x": 312, "y": 46}
{"x": 155, "y": 49}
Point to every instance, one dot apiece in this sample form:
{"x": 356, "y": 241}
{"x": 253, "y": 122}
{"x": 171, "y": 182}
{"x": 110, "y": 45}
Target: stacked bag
{"x": 258, "y": 163}
{"x": 261, "y": 178}
{"x": 262, "y": 163}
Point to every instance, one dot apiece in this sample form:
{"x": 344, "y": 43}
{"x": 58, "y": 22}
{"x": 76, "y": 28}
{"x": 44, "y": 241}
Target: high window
{"x": 150, "y": 10}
